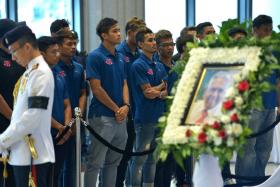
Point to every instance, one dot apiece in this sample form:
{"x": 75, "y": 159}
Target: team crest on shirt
{"x": 126, "y": 59}
{"x": 7, "y": 63}
{"x": 150, "y": 72}
{"x": 61, "y": 73}
{"x": 108, "y": 61}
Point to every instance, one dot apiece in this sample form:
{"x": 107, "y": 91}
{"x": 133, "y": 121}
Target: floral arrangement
{"x": 228, "y": 133}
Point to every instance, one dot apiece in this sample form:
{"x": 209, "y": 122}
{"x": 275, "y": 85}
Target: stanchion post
{"x": 78, "y": 146}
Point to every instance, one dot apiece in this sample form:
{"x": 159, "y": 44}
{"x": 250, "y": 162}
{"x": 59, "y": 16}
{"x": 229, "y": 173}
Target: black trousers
{"x": 21, "y": 174}
{"x": 164, "y": 171}
{"x": 58, "y": 166}
{"x": 226, "y": 170}
{"x": 10, "y": 181}
{"x": 184, "y": 177}
{"x": 129, "y": 147}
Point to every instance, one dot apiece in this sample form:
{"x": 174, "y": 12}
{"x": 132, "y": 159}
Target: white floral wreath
{"x": 213, "y": 134}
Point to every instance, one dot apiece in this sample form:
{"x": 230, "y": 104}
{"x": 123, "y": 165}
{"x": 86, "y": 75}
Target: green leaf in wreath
{"x": 178, "y": 158}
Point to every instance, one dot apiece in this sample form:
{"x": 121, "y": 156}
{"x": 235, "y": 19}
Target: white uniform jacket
{"x": 32, "y": 118}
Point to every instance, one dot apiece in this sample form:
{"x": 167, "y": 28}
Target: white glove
{"x": 5, "y": 153}
{"x": 2, "y": 149}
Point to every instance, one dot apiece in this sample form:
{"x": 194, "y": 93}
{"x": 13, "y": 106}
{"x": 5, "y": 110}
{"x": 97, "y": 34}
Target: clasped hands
{"x": 121, "y": 113}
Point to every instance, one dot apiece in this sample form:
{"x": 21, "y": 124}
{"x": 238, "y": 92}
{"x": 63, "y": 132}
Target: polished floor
{"x": 271, "y": 167}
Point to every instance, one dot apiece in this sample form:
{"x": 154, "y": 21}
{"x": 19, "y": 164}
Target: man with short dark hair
{"x": 62, "y": 24}
{"x": 74, "y": 76}
{"x": 109, "y": 106}
{"x": 59, "y": 24}
{"x": 181, "y": 42}
{"x": 204, "y": 29}
{"x": 149, "y": 89}
{"x": 61, "y": 112}
{"x": 28, "y": 136}
{"x": 262, "y": 26}
{"x": 237, "y": 33}
{"x": 188, "y": 31}
{"x": 129, "y": 49}
{"x": 165, "y": 50}
{"x": 187, "y": 34}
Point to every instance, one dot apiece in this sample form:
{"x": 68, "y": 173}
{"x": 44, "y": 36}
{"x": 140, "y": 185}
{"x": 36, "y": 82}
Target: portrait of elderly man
{"x": 207, "y": 108}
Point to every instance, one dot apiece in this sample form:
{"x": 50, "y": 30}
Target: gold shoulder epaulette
{"x": 16, "y": 89}
{"x": 35, "y": 66}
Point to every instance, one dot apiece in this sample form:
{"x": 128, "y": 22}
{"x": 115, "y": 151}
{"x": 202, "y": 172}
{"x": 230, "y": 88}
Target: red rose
{"x": 243, "y": 86}
{"x": 202, "y": 137}
{"x": 222, "y": 133}
{"x": 234, "y": 118}
{"x": 228, "y": 104}
{"x": 216, "y": 125}
{"x": 188, "y": 133}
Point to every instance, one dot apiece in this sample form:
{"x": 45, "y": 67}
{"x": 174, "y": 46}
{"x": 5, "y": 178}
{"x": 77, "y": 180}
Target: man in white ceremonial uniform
{"x": 31, "y": 117}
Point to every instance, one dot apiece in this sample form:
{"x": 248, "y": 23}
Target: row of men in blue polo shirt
{"x": 129, "y": 81}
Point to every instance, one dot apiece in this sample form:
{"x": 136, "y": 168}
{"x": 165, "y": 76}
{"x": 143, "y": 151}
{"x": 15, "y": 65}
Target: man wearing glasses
{"x": 165, "y": 50}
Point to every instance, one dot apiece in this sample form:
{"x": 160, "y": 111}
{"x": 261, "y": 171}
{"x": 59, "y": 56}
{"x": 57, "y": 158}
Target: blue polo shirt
{"x": 155, "y": 57}
{"x": 129, "y": 58}
{"x": 270, "y": 98}
{"x": 172, "y": 77}
{"x": 110, "y": 70}
{"x": 145, "y": 71}
{"x": 60, "y": 94}
{"x": 75, "y": 80}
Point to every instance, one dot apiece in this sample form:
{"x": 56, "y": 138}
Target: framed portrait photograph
{"x": 209, "y": 93}
{"x": 208, "y": 75}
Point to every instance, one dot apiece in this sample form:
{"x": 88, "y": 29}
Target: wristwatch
{"x": 128, "y": 105}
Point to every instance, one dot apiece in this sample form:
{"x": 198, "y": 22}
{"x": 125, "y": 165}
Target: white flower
{"x": 212, "y": 134}
{"x": 196, "y": 129}
{"x": 228, "y": 129}
{"x": 173, "y": 90}
{"x": 237, "y": 77}
{"x": 245, "y": 72}
{"x": 238, "y": 101}
{"x": 230, "y": 141}
{"x": 230, "y": 92}
{"x": 236, "y": 129}
{"x": 162, "y": 119}
{"x": 218, "y": 140}
{"x": 254, "y": 62}
{"x": 225, "y": 119}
